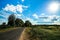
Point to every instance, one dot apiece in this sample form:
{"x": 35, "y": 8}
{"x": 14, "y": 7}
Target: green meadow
{"x": 43, "y": 33}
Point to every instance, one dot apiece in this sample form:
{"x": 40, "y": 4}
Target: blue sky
{"x": 36, "y": 11}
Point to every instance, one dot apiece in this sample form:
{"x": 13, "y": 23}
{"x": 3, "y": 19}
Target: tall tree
{"x": 19, "y": 22}
{"x": 27, "y": 23}
{"x": 11, "y": 20}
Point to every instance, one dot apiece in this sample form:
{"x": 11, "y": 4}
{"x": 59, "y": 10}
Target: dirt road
{"x": 11, "y": 35}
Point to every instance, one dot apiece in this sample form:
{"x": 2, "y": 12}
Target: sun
{"x": 53, "y": 7}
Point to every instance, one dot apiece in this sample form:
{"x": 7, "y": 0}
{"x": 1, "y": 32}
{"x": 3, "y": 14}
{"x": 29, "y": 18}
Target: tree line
{"x": 15, "y": 22}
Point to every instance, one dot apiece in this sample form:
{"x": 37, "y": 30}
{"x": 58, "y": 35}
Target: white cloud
{"x": 31, "y": 20}
{"x": 10, "y": 8}
{"x": 52, "y": 18}
{"x": 4, "y": 14}
{"x": 28, "y": 18}
{"x": 57, "y": 23}
{"x": 24, "y": 6}
{"x": 19, "y": 8}
{"x": 42, "y": 14}
{"x": 13, "y": 8}
{"x": 18, "y": 15}
{"x": 3, "y": 20}
{"x": 35, "y": 16}
{"x": 22, "y": 0}
{"x": 47, "y": 20}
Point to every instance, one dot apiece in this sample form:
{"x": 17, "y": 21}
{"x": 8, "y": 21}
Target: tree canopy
{"x": 19, "y": 22}
{"x": 27, "y": 23}
{"x": 11, "y": 20}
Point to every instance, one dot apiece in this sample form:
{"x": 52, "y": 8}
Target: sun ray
{"x": 53, "y": 7}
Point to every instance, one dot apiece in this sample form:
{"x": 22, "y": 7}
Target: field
{"x": 43, "y": 33}
{"x": 8, "y": 29}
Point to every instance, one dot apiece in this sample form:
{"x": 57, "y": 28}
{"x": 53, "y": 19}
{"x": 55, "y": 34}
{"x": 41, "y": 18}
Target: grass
{"x": 43, "y": 33}
{"x": 7, "y": 29}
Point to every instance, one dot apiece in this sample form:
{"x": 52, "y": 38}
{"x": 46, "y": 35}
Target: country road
{"x": 11, "y": 35}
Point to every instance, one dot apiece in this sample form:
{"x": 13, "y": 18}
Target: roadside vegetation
{"x": 43, "y": 33}
{"x": 8, "y": 29}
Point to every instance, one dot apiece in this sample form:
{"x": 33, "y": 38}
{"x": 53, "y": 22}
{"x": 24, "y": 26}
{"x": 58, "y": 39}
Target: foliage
{"x": 27, "y": 23}
{"x": 19, "y": 22}
{"x": 3, "y": 25}
{"x": 11, "y": 20}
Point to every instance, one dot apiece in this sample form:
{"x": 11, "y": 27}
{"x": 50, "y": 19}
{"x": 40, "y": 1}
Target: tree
{"x": 19, "y": 22}
{"x": 27, "y": 23}
{"x": 3, "y": 25}
{"x": 11, "y": 20}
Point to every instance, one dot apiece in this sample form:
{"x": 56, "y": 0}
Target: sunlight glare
{"x": 53, "y": 7}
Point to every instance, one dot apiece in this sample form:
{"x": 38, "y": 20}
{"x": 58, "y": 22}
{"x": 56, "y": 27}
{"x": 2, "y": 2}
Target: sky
{"x": 36, "y": 11}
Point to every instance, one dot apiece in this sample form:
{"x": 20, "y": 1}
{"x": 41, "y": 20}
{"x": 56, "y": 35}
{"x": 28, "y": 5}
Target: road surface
{"x": 11, "y": 35}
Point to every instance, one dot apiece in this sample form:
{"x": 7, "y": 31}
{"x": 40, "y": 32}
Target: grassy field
{"x": 8, "y": 29}
{"x": 43, "y": 33}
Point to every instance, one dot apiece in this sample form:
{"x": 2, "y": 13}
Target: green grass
{"x": 7, "y": 29}
{"x": 43, "y": 33}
